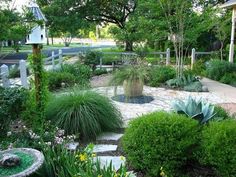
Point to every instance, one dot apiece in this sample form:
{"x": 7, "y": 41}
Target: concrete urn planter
{"x": 133, "y": 88}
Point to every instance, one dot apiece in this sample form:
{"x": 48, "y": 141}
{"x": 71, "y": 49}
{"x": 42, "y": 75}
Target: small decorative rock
{"x": 205, "y": 89}
{"x": 9, "y": 160}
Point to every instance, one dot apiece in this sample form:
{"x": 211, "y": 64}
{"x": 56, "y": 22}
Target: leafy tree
{"x": 62, "y": 20}
{"x": 13, "y": 25}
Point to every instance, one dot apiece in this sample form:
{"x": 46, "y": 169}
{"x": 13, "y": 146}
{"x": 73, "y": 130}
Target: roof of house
{"x": 38, "y": 14}
{"x": 229, "y": 4}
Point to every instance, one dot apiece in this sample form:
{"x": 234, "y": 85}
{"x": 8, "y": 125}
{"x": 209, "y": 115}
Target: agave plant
{"x": 195, "y": 108}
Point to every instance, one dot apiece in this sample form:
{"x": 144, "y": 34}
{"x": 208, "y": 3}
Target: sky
{"x": 19, "y": 3}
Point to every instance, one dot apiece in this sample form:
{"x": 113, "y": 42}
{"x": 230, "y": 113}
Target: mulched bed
{"x": 135, "y": 100}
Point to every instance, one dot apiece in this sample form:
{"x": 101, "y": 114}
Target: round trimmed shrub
{"x": 218, "y": 147}
{"x": 83, "y": 112}
{"x": 160, "y": 140}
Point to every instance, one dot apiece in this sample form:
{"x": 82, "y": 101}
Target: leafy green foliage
{"x": 229, "y": 78}
{"x": 159, "y": 75}
{"x": 92, "y": 58}
{"x": 221, "y": 113}
{"x": 12, "y": 104}
{"x": 193, "y": 87}
{"x": 160, "y": 140}
{"x": 217, "y": 147}
{"x": 80, "y": 163}
{"x": 216, "y": 69}
{"x": 195, "y": 109}
{"x": 57, "y": 79}
{"x": 199, "y": 67}
{"x": 68, "y": 76}
{"x": 187, "y": 82}
{"x": 98, "y": 72}
{"x": 83, "y": 112}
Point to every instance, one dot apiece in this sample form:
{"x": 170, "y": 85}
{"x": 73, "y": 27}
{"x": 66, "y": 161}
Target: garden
{"x": 126, "y": 110}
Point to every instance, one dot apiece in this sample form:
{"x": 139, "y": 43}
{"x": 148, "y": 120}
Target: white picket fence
{"x": 55, "y": 61}
{"x": 4, "y": 75}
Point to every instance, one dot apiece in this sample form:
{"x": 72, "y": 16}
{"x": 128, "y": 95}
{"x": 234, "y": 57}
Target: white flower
{"x": 9, "y": 133}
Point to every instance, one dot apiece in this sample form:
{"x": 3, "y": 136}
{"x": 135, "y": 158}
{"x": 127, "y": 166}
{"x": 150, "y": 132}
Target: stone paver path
{"x": 223, "y": 90}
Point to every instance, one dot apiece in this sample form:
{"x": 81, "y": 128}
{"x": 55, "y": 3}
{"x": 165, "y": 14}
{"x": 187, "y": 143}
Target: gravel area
{"x": 163, "y": 99}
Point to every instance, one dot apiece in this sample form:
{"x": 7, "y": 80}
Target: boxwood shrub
{"x": 218, "y": 147}
{"x": 160, "y": 140}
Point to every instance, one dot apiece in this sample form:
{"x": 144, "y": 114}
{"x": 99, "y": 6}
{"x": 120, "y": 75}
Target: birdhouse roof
{"x": 228, "y": 4}
{"x": 38, "y": 14}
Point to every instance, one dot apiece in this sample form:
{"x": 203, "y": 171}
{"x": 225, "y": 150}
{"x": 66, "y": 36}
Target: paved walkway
{"x": 221, "y": 90}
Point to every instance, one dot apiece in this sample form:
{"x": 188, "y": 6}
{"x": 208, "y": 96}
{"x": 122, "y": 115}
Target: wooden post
{"x": 193, "y": 57}
{"x": 53, "y": 60}
{"x": 100, "y": 62}
{"x": 60, "y": 57}
{"x": 23, "y": 74}
{"x": 37, "y": 66}
{"x": 5, "y": 75}
{"x": 167, "y": 56}
{"x": 231, "y": 50}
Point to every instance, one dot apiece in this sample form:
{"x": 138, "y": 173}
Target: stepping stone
{"x": 72, "y": 146}
{"x": 117, "y": 161}
{"x": 131, "y": 174}
{"x": 104, "y": 148}
{"x": 109, "y": 136}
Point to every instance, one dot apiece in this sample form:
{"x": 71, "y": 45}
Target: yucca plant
{"x": 195, "y": 108}
{"x": 83, "y": 112}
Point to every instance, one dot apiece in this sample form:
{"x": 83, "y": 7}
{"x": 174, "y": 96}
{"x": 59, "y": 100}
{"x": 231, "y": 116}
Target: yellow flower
{"x": 94, "y": 155}
{"x": 122, "y": 158}
{"x": 115, "y": 175}
{"x": 83, "y": 157}
{"x": 163, "y": 174}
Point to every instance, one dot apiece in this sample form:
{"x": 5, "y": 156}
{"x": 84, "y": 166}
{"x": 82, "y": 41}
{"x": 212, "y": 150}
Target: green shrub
{"x": 159, "y": 75}
{"x": 160, "y": 140}
{"x": 199, "y": 67}
{"x": 99, "y": 72}
{"x": 15, "y": 72}
{"x": 12, "y": 104}
{"x": 56, "y": 80}
{"x": 193, "y": 87}
{"x": 81, "y": 72}
{"x": 216, "y": 69}
{"x": 221, "y": 113}
{"x": 83, "y": 112}
{"x": 69, "y": 75}
{"x": 187, "y": 82}
{"x": 92, "y": 58}
{"x": 229, "y": 78}
{"x": 217, "y": 147}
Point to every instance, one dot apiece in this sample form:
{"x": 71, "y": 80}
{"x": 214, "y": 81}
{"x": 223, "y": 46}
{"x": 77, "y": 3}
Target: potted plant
{"x": 132, "y": 78}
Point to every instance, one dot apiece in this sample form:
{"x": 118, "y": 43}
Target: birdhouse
{"x": 38, "y": 32}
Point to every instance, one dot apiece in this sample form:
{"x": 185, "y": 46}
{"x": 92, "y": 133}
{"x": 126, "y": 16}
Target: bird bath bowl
{"x": 20, "y": 162}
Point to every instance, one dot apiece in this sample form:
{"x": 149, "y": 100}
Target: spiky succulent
{"x": 195, "y": 109}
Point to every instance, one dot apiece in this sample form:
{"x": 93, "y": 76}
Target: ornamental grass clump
{"x": 83, "y": 112}
{"x": 160, "y": 142}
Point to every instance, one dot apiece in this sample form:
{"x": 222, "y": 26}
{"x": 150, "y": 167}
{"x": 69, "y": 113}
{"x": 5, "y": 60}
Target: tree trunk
{"x": 221, "y": 51}
{"x": 52, "y": 39}
{"x": 128, "y": 46}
